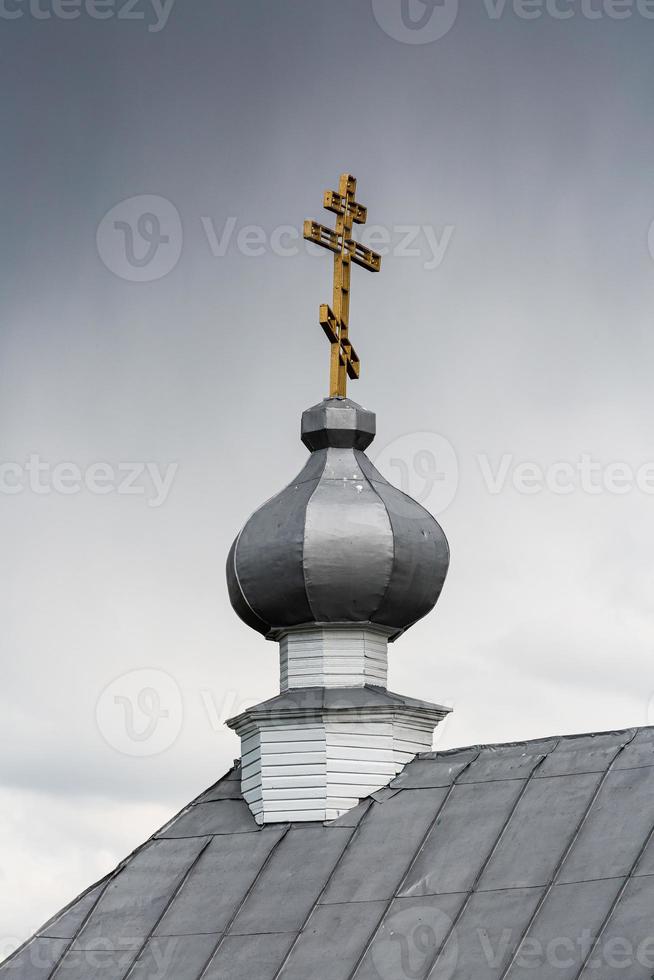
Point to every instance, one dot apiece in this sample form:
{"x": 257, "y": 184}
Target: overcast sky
{"x": 156, "y": 354}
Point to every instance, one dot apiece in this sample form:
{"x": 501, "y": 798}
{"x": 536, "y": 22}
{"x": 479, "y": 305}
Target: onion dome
{"x": 339, "y": 545}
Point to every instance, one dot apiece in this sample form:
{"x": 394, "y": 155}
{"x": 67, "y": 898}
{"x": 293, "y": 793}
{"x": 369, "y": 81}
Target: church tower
{"x": 334, "y": 568}
{"x": 512, "y": 861}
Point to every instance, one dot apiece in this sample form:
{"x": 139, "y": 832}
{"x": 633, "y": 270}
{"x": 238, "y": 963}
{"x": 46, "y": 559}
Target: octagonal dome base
{"x": 314, "y": 753}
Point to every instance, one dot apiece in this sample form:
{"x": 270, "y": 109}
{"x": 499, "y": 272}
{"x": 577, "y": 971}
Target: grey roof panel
{"x": 625, "y": 948}
{"x": 554, "y": 948}
{"x": 479, "y": 947}
{"x": 203, "y": 819}
{"x": 409, "y": 938}
{"x": 492, "y": 764}
{"x": 455, "y": 848}
{"x": 284, "y": 894}
{"x": 612, "y": 837}
{"x": 639, "y": 752}
{"x": 543, "y": 825}
{"x": 228, "y": 788}
{"x": 249, "y": 957}
{"x": 215, "y": 888}
{"x": 35, "y": 960}
{"x": 385, "y": 843}
{"x": 585, "y": 753}
{"x": 426, "y": 773}
{"x": 463, "y": 837}
{"x": 173, "y": 958}
{"x": 645, "y": 864}
{"x": 134, "y": 900}
{"x": 335, "y": 936}
{"x": 96, "y": 964}
{"x": 68, "y": 924}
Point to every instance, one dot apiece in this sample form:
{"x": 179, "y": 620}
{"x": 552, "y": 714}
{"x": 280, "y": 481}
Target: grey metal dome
{"x": 339, "y": 544}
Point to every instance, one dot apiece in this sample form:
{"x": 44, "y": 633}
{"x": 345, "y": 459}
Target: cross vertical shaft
{"x": 341, "y": 293}
{"x": 344, "y": 361}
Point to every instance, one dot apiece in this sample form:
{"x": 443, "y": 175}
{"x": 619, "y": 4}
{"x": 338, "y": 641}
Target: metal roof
{"x": 531, "y": 859}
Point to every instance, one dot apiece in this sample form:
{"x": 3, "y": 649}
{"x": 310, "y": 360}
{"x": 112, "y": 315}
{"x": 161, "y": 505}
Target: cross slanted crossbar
{"x": 344, "y": 361}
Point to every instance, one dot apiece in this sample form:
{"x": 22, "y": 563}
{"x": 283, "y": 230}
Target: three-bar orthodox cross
{"x": 335, "y": 322}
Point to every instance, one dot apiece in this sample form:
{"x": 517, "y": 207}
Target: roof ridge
{"x": 533, "y": 741}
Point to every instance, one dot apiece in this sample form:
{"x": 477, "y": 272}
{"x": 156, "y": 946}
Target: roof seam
{"x": 84, "y": 921}
{"x": 479, "y": 891}
{"x": 51, "y": 921}
{"x": 230, "y": 922}
{"x": 185, "y": 877}
{"x": 615, "y": 903}
{"x": 224, "y": 833}
{"x": 575, "y": 835}
{"x": 315, "y": 905}
{"x": 411, "y": 864}
{"x": 471, "y": 891}
{"x": 110, "y": 877}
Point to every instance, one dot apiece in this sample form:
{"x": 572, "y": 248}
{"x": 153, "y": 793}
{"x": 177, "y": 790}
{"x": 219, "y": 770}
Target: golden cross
{"x": 344, "y": 360}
